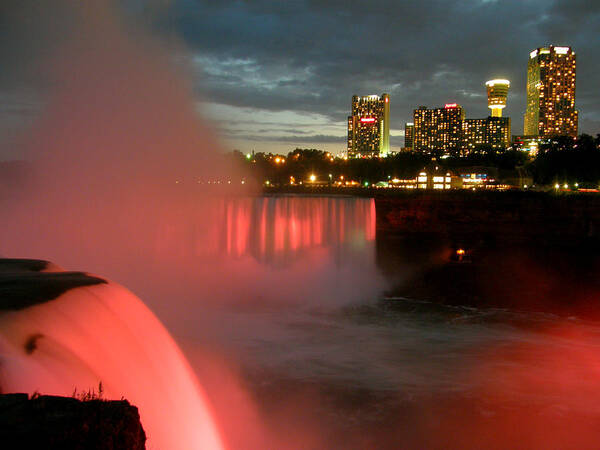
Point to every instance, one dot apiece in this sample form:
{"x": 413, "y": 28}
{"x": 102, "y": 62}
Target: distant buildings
{"x": 551, "y": 93}
{"x": 446, "y": 129}
{"x": 369, "y": 126}
{"x": 551, "y": 74}
{"x": 438, "y": 129}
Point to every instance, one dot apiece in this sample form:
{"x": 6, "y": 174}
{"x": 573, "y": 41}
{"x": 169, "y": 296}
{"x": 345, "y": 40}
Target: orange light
{"x": 460, "y": 251}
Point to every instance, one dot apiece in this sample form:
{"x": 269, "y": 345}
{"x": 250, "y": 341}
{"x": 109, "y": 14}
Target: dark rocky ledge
{"x": 49, "y": 422}
{"x": 23, "y": 284}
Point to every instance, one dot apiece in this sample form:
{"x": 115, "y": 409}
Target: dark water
{"x": 330, "y": 362}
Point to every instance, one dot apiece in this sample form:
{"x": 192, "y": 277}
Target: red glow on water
{"x": 271, "y": 226}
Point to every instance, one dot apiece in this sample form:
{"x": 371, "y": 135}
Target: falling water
{"x": 105, "y": 334}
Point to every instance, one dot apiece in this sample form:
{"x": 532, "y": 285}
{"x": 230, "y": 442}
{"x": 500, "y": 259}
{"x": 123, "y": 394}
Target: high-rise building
{"x": 369, "y": 126}
{"x": 551, "y": 93}
{"x": 491, "y": 131}
{"x": 409, "y": 131}
{"x": 497, "y": 91}
{"x": 438, "y": 129}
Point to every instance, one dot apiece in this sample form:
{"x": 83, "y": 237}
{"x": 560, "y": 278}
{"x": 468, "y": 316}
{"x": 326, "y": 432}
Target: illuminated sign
{"x": 533, "y": 54}
{"x": 367, "y": 119}
{"x": 561, "y": 50}
{"x": 387, "y": 100}
{"x": 451, "y": 105}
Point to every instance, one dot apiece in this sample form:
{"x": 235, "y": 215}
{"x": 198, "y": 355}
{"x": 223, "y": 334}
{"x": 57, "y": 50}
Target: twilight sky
{"x": 277, "y": 75}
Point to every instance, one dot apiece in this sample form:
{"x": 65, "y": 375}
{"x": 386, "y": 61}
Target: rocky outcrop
{"x": 27, "y": 282}
{"x": 501, "y": 216}
{"x": 49, "y": 422}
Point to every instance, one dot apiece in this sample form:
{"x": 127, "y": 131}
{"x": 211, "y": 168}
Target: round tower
{"x": 497, "y": 91}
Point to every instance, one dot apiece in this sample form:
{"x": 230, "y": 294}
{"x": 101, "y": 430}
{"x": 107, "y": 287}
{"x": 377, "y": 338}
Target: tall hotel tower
{"x": 438, "y": 129}
{"x": 551, "y": 93}
{"x": 369, "y": 126}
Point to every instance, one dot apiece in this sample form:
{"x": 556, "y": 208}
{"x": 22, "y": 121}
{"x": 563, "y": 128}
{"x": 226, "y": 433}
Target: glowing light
{"x": 561, "y": 50}
{"x": 248, "y": 156}
{"x": 451, "y": 105}
{"x": 367, "y": 119}
{"x": 460, "y": 251}
{"x": 313, "y": 177}
{"x": 498, "y": 81}
{"x": 533, "y": 54}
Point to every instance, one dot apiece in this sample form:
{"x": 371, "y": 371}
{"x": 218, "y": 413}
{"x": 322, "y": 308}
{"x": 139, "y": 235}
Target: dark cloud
{"x": 311, "y": 56}
{"x": 318, "y": 138}
{"x": 422, "y": 53}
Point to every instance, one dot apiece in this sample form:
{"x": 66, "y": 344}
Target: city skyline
{"x": 275, "y": 77}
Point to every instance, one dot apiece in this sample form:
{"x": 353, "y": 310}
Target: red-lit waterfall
{"x": 262, "y": 246}
{"x": 105, "y": 334}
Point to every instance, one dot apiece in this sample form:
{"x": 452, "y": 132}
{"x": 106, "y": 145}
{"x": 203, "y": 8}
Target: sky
{"x": 272, "y": 76}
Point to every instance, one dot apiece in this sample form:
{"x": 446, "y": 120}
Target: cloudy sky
{"x": 274, "y": 75}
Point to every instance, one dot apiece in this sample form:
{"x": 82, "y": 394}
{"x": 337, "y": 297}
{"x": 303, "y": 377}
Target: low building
{"x": 436, "y": 177}
{"x": 492, "y": 132}
{"x": 530, "y": 144}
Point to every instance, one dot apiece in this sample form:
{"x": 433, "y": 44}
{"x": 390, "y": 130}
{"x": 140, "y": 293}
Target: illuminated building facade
{"x": 497, "y": 92}
{"x": 409, "y": 130}
{"x": 530, "y": 144}
{"x": 551, "y": 93}
{"x": 369, "y": 126}
{"x": 438, "y": 129}
{"x": 491, "y": 131}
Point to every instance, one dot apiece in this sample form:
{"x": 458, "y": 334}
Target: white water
{"x": 104, "y": 333}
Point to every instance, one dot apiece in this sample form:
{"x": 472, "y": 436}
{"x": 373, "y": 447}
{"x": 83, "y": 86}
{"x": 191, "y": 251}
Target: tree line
{"x": 562, "y": 159}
